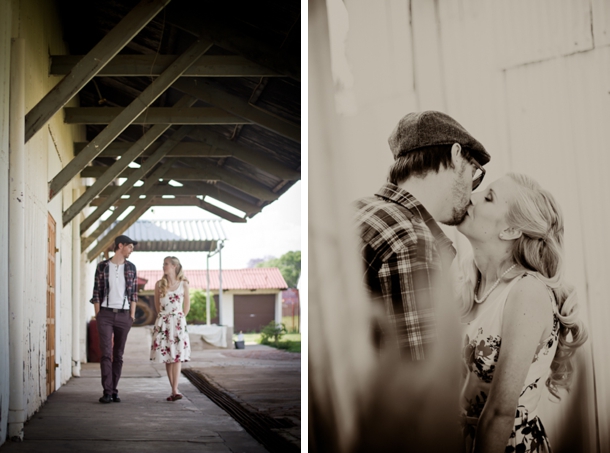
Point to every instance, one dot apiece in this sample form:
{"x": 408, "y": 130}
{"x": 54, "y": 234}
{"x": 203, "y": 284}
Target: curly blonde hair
{"x": 164, "y": 283}
{"x": 539, "y": 250}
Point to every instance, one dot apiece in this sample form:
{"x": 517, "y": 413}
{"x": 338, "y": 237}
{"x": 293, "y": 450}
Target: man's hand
{"x": 96, "y": 308}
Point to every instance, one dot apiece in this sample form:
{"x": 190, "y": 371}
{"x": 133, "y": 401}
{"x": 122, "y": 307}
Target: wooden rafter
{"x": 126, "y": 117}
{"x": 153, "y": 65}
{"x": 153, "y": 115}
{"x": 134, "y": 196}
{"x": 136, "y": 174}
{"x": 191, "y": 189}
{"x": 134, "y": 151}
{"x": 202, "y": 89}
{"x": 231, "y": 37}
{"x": 140, "y": 208}
{"x": 211, "y": 145}
{"x": 210, "y": 173}
{"x": 91, "y": 64}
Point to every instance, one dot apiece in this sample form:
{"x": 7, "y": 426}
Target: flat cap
{"x": 122, "y": 239}
{"x": 430, "y": 128}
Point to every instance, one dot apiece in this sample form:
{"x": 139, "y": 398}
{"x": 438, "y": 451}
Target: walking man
{"x": 406, "y": 254}
{"x": 115, "y": 293}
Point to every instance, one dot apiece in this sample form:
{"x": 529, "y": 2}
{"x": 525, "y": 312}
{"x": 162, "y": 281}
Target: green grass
{"x": 290, "y": 342}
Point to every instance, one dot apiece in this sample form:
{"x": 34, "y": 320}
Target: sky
{"x": 271, "y": 233}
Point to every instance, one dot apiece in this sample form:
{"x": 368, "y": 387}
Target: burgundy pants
{"x": 111, "y": 363}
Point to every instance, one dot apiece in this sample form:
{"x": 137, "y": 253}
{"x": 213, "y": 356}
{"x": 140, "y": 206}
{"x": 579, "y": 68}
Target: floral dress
{"x": 482, "y": 344}
{"x": 170, "y": 336}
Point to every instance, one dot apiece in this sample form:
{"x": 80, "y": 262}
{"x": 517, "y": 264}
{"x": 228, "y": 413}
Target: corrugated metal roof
{"x": 176, "y": 235}
{"x": 254, "y": 278}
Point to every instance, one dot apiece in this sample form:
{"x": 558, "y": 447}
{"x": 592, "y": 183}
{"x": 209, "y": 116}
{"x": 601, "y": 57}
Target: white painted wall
{"x": 5, "y": 48}
{"x": 46, "y": 153}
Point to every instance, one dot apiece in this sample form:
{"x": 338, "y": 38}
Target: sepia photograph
{"x": 457, "y": 215}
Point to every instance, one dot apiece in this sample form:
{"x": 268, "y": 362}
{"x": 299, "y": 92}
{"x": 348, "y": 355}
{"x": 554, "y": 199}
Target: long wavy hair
{"x": 539, "y": 250}
{"x": 164, "y": 283}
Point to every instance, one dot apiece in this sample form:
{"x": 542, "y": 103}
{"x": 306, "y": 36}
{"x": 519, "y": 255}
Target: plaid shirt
{"x": 101, "y": 285}
{"x": 405, "y": 254}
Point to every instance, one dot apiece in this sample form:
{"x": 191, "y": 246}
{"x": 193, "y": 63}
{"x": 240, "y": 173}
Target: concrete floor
{"x": 72, "y": 419}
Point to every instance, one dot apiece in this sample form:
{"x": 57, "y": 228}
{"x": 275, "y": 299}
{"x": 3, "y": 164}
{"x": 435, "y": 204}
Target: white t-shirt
{"x": 116, "y": 287}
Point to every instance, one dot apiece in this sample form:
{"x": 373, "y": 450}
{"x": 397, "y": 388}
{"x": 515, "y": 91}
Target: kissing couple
{"x": 519, "y": 318}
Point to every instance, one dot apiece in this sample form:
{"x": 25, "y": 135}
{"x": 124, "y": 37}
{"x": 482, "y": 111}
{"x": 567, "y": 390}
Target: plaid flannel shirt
{"x": 406, "y": 254}
{"x": 101, "y": 286}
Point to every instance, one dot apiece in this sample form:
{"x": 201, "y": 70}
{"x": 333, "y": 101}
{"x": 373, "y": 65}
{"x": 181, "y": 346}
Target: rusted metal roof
{"x": 177, "y": 235}
{"x": 254, "y": 278}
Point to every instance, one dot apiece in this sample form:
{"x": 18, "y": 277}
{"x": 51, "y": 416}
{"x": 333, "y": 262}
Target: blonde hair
{"x": 164, "y": 283}
{"x": 539, "y": 250}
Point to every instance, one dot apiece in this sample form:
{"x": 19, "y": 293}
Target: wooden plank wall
{"x": 530, "y": 80}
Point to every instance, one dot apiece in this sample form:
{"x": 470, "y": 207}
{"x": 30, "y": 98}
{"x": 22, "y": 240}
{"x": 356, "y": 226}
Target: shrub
{"x": 198, "y": 307}
{"x": 273, "y": 331}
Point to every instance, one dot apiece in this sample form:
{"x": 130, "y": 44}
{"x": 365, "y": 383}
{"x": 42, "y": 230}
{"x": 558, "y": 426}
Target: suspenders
{"x": 108, "y": 286}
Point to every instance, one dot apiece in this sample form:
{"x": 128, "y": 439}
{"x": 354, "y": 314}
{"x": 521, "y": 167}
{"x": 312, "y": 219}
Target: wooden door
{"x": 51, "y": 307}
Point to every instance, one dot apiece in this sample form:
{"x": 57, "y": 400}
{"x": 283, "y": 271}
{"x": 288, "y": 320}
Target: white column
{"x": 5, "y": 55}
{"x": 207, "y": 301}
{"x": 76, "y": 301}
{"x": 220, "y": 317}
{"x": 16, "y": 231}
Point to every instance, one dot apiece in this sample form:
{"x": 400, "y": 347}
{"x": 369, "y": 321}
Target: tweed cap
{"x": 420, "y": 129}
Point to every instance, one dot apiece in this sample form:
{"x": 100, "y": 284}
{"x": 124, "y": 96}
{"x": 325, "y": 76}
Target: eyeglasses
{"x": 479, "y": 174}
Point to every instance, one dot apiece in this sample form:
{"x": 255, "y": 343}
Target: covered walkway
{"x": 72, "y": 419}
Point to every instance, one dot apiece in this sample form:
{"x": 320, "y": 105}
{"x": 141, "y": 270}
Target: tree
{"x": 289, "y": 265}
{"x": 197, "y": 311}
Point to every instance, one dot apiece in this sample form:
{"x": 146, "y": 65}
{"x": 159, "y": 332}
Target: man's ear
{"x": 510, "y": 234}
{"x": 456, "y": 154}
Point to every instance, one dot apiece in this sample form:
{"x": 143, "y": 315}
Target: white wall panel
{"x": 533, "y": 31}
{"x": 5, "y": 48}
{"x": 600, "y": 12}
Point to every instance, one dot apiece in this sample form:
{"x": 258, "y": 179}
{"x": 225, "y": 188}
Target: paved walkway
{"x": 72, "y": 419}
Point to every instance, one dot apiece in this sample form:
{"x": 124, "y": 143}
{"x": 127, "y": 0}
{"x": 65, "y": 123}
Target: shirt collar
{"x": 395, "y": 194}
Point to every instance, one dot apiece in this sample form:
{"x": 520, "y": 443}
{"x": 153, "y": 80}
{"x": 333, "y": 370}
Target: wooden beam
{"x": 211, "y": 144}
{"x": 153, "y": 115}
{"x": 210, "y": 173}
{"x": 115, "y": 169}
{"x": 126, "y": 117}
{"x": 91, "y": 64}
{"x": 122, "y": 206}
{"x": 140, "y": 208}
{"x": 188, "y": 189}
{"x": 221, "y": 212}
{"x": 183, "y": 149}
{"x": 138, "y": 174}
{"x": 153, "y": 65}
{"x": 202, "y": 89}
{"x": 255, "y": 158}
{"x": 232, "y": 37}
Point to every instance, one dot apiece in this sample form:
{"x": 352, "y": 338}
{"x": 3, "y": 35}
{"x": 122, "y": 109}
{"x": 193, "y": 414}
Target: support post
{"x": 220, "y": 317}
{"x": 16, "y": 231}
{"x": 76, "y": 319}
{"x": 207, "y": 300}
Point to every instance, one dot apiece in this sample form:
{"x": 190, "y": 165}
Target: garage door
{"x": 253, "y": 312}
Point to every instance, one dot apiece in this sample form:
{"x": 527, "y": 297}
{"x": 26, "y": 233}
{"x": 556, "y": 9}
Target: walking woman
{"x": 170, "y": 337}
{"x": 520, "y": 319}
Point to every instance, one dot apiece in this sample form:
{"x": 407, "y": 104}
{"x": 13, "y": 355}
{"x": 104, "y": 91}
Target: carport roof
{"x": 177, "y": 235}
